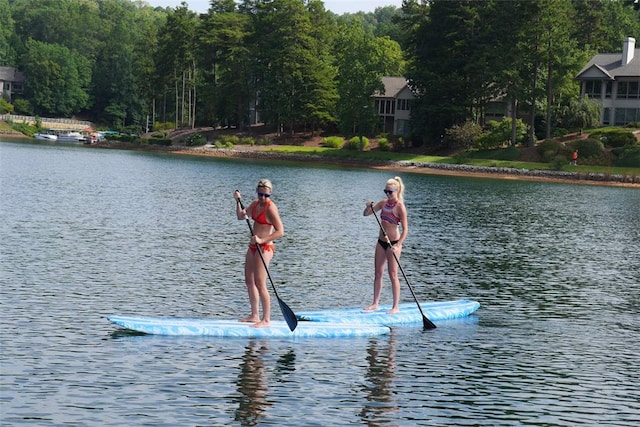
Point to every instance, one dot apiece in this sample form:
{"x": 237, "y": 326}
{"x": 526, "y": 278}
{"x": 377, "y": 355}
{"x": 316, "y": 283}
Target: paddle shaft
{"x": 289, "y": 315}
{"x": 428, "y": 324}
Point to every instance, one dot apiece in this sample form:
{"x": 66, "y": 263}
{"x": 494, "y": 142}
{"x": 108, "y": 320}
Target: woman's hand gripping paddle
{"x": 427, "y": 324}
{"x": 289, "y": 315}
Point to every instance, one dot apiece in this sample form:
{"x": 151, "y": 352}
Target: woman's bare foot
{"x": 371, "y": 307}
{"x": 261, "y": 324}
{"x": 250, "y": 319}
{"x": 393, "y": 310}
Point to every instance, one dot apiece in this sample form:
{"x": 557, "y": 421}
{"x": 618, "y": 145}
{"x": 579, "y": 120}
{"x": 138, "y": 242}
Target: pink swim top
{"x": 387, "y": 214}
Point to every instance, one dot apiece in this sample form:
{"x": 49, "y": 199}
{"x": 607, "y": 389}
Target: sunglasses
{"x": 264, "y": 195}
{"x": 387, "y": 192}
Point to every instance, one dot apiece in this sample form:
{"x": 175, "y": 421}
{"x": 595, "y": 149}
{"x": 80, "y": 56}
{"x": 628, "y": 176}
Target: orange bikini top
{"x": 261, "y": 218}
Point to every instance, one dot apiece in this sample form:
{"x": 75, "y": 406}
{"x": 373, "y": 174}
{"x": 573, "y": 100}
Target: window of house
{"x": 403, "y": 105}
{"x": 593, "y": 88}
{"x": 606, "y": 116}
{"x": 626, "y": 115}
{"x": 608, "y": 89}
{"x": 628, "y": 90}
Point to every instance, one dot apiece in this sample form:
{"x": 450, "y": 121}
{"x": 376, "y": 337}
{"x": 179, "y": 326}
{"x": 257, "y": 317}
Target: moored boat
{"x": 46, "y": 136}
{"x": 71, "y": 136}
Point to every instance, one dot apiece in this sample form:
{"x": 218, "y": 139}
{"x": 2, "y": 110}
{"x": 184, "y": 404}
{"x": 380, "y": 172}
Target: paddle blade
{"x": 427, "y": 324}
{"x": 289, "y": 315}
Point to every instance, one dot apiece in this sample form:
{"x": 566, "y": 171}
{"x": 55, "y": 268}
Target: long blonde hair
{"x": 396, "y": 182}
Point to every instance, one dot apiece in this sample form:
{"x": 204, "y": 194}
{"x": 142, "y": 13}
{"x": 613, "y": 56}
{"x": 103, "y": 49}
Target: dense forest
{"x": 125, "y": 64}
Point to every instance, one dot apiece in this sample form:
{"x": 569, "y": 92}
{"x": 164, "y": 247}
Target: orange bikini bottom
{"x": 263, "y": 246}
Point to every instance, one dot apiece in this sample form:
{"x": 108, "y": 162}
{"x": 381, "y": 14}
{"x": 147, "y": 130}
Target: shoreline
{"x": 263, "y": 152}
{"x": 460, "y": 170}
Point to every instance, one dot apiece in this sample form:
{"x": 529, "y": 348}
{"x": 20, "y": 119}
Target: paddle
{"x": 289, "y": 315}
{"x": 426, "y": 323}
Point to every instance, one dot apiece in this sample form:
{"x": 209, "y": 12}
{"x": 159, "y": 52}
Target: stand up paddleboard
{"x": 409, "y": 313}
{"x": 232, "y": 328}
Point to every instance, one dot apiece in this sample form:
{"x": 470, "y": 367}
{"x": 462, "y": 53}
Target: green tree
{"x": 362, "y": 60}
{"x": 226, "y": 59}
{"x": 176, "y": 59}
{"x": 8, "y": 56}
{"x": 286, "y": 64}
{"x": 57, "y": 79}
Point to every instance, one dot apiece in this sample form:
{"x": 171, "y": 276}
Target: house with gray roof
{"x": 613, "y": 79}
{"x": 11, "y": 83}
{"x": 394, "y": 105}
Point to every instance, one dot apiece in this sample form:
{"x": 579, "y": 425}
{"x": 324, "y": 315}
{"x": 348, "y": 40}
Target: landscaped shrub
{"x": 587, "y": 148}
{"x": 499, "y": 134}
{"x": 462, "y": 136}
{"x": 549, "y": 149}
{"x": 333, "y": 142}
{"x": 231, "y": 139}
{"x": 627, "y": 156}
{"x": 358, "y": 143}
{"x": 194, "y": 140}
{"x": 220, "y": 144}
{"x": 614, "y": 137}
{"x": 383, "y": 144}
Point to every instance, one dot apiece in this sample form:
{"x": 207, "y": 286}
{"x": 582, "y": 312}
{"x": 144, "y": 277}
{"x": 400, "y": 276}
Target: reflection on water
{"x": 253, "y": 401}
{"x": 381, "y": 404}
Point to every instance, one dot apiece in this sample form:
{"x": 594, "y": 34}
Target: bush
{"x": 550, "y": 148}
{"x": 589, "y": 147}
{"x": 558, "y": 162}
{"x": 358, "y": 143}
{"x": 160, "y": 126}
{"x": 463, "y": 136}
{"x": 499, "y": 134}
{"x": 383, "y": 144}
{"x": 5, "y": 107}
{"x": 228, "y": 139}
{"x": 627, "y": 156}
{"x": 333, "y": 142}
{"x": 614, "y": 137}
{"x": 194, "y": 140}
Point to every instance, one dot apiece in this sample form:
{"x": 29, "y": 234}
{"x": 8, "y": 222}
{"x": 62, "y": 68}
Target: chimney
{"x": 628, "y": 49}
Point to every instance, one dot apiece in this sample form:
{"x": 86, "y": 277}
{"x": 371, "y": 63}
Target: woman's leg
{"x": 252, "y": 289}
{"x": 392, "y": 268}
{"x": 261, "y": 288}
{"x": 379, "y": 260}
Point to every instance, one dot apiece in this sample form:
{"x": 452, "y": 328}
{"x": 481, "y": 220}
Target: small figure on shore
{"x": 574, "y": 158}
{"x": 267, "y": 227}
{"x": 394, "y": 221}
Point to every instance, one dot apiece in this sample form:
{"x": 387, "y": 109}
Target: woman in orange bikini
{"x": 393, "y": 217}
{"x": 267, "y": 227}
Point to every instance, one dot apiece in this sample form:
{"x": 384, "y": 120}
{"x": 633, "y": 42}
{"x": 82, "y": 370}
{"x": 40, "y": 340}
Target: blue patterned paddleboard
{"x": 409, "y": 313}
{"x": 232, "y": 328}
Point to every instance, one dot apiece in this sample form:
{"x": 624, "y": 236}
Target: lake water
{"x": 86, "y": 233}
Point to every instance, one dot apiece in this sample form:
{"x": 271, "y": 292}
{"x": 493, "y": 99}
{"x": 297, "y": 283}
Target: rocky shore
{"x": 267, "y": 152}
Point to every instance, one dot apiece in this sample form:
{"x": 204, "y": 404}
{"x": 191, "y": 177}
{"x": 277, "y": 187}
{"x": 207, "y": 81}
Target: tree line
{"x": 122, "y": 63}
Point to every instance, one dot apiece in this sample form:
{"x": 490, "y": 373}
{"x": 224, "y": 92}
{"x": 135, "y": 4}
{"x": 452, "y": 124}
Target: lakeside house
{"x": 613, "y": 79}
{"x": 11, "y": 83}
{"x": 394, "y": 105}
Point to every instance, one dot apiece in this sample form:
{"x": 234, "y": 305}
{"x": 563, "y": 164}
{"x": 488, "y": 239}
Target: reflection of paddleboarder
{"x": 380, "y": 375}
{"x": 253, "y": 400}
{"x": 574, "y": 158}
